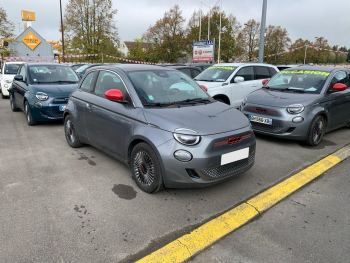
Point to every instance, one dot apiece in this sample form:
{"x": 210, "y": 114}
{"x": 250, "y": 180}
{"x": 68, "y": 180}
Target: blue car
{"x": 41, "y": 91}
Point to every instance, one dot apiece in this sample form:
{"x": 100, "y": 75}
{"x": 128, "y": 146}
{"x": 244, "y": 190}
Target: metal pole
{"x": 305, "y": 54}
{"x": 219, "y": 47}
{"x": 209, "y": 23}
{"x": 62, "y": 31}
{"x": 262, "y": 32}
{"x": 200, "y": 23}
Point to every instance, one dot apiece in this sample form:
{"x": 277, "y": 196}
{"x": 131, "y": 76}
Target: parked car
{"x": 8, "y": 71}
{"x": 202, "y": 66}
{"x": 42, "y": 91}
{"x": 230, "y": 83}
{"x": 190, "y": 71}
{"x": 76, "y": 66}
{"x": 81, "y": 70}
{"x": 168, "y": 135}
{"x": 286, "y": 66}
{"x": 301, "y": 103}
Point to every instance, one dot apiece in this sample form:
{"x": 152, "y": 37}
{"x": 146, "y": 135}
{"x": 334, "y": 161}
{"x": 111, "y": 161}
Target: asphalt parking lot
{"x": 78, "y": 205}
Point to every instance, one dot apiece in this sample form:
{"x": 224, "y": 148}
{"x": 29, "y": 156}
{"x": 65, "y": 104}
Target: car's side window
{"x": 195, "y": 72}
{"x": 340, "y": 77}
{"x": 262, "y": 73}
{"x": 88, "y": 82}
{"x": 107, "y": 80}
{"x": 273, "y": 72}
{"x": 247, "y": 73}
{"x": 186, "y": 71}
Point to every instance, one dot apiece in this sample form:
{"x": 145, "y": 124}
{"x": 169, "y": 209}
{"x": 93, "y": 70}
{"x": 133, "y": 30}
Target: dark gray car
{"x": 301, "y": 103}
{"x": 162, "y": 124}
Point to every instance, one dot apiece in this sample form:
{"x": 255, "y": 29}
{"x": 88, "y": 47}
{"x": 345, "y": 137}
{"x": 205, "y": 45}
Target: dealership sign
{"x": 31, "y": 40}
{"x": 203, "y": 51}
{"x": 28, "y": 15}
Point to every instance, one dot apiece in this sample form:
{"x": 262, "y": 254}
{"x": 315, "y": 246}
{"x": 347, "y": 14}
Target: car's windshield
{"x": 164, "y": 87}
{"x": 216, "y": 73}
{"x": 11, "y": 69}
{"x": 305, "y": 81}
{"x": 52, "y": 74}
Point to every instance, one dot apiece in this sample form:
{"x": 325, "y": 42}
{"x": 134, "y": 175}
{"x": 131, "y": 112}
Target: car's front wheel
{"x": 14, "y": 108}
{"x": 71, "y": 133}
{"x": 317, "y": 131}
{"x": 28, "y": 113}
{"x": 146, "y": 168}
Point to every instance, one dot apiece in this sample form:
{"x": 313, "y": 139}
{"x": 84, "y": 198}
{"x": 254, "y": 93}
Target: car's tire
{"x": 71, "y": 133}
{"x": 316, "y": 131}
{"x": 146, "y": 168}
{"x": 13, "y": 106}
{"x": 28, "y": 113}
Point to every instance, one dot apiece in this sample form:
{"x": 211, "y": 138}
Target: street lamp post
{"x": 62, "y": 31}
{"x": 262, "y": 32}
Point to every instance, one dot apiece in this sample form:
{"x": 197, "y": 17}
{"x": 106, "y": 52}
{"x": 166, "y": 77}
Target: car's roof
{"x": 321, "y": 68}
{"x": 134, "y": 67}
{"x": 243, "y": 64}
{"x": 14, "y": 62}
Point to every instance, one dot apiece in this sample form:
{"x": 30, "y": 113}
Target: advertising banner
{"x": 203, "y": 51}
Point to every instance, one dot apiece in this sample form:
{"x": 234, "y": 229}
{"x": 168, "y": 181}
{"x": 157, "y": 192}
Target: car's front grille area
{"x": 60, "y": 100}
{"x": 262, "y": 110}
{"x": 231, "y": 169}
{"x": 52, "y": 112}
{"x": 276, "y": 127}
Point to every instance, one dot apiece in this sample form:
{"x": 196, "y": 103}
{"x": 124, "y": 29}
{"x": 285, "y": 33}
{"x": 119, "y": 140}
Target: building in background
{"x": 30, "y": 46}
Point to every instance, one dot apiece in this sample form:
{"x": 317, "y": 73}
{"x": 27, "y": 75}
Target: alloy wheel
{"x": 70, "y": 131}
{"x": 318, "y": 131}
{"x": 144, "y": 169}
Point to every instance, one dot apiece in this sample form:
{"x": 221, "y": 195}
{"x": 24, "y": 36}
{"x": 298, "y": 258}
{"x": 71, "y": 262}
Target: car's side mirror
{"x": 238, "y": 79}
{"x": 339, "y": 87}
{"x": 114, "y": 95}
{"x": 19, "y": 78}
{"x": 265, "y": 82}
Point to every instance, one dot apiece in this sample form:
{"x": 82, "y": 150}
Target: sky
{"x": 302, "y": 18}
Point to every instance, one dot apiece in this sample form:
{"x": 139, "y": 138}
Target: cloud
{"x": 302, "y": 18}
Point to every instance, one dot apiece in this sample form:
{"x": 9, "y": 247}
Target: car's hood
{"x": 274, "y": 98}
{"x": 55, "y": 90}
{"x": 210, "y": 84}
{"x": 205, "y": 119}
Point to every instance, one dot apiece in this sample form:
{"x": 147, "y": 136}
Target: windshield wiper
{"x": 195, "y": 100}
{"x": 295, "y": 90}
{"x": 62, "y": 81}
{"x": 157, "y": 104}
{"x": 207, "y": 80}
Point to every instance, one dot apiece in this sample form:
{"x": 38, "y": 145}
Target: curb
{"x": 188, "y": 245}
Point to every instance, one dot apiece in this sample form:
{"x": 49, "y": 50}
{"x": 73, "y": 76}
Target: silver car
{"x": 162, "y": 124}
{"x": 301, "y": 103}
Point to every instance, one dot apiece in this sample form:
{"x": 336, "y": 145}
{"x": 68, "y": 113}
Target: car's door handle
{"x": 88, "y": 106}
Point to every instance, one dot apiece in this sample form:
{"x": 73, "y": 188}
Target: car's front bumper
{"x": 282, "y": 125}
{"x": 205, "y": 168}
{"x": 46, "y": 111}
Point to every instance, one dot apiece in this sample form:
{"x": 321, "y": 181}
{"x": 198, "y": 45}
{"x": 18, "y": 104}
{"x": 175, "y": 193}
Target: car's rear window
{"x": 216, "y": 73}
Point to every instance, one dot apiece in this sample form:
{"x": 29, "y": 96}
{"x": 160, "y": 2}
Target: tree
{"x": 167, "y": 36}
{"x": 229, "y": 29}
{"x": 276, "y": 42}
{"x": 90, "y": 27}
{"x": 6, "y": 26}
{"x": 250, "y": 39}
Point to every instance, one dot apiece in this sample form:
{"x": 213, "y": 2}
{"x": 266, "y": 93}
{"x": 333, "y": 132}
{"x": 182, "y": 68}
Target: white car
{"x": 8, "y": 71}
{"x": 232, "y": 82}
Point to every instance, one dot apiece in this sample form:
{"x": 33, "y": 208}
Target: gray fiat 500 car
{"x": 301, "y": 103}
{"x": 162, "y": 124}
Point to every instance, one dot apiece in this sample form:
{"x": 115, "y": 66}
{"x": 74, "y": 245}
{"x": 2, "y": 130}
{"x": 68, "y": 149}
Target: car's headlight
{"x": 186, "y": 137}
{"x": 295, "y": 108}
{"x": 6, "y": 86}
{"x": 244, "y": 102}
{"x": 41, "y": 96}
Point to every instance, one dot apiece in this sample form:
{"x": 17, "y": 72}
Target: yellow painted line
{"x": 188, "y": 245}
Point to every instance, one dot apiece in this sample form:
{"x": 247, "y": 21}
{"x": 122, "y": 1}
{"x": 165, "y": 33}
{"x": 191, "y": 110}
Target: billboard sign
{"x": 203, "y": 51}
{"x": 28, "y": 15}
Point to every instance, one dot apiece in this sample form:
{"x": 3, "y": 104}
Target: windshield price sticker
{"x": 309, "y": 72}
{"x": 223, "y": 67}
